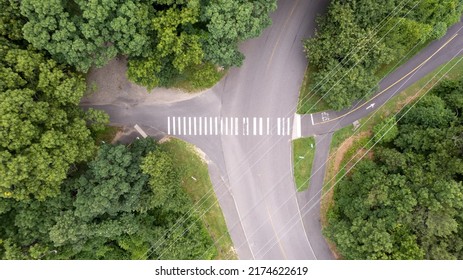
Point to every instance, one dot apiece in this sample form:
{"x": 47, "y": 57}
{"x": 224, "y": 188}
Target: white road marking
{"x": 232, "y": 122}
{"x": 254, "y": 126}
{"x": 311, "y": 116}
{"x": 282, "y": 126}
{"x": 325, "y": 116}
{"x": 210, "y": 126}
{"x": 230, "y": 126}
{"x": 200, "y": 126}
{"x": 296, "y": 126}
{"x": 221, "y": 126}
{"x": 288, "y": 126}
{"x": 247, "y": 126}
{"x": 142, "y": 133}
{"x": 173, "y": 125}
{"x": 268, "y": 126}
{"x": 194, "y": 124}
{"x": 184, "y": 125}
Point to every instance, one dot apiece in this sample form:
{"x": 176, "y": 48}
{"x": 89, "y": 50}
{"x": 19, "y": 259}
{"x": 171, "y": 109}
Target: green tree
{"x": 86, "y": 33}
{"x": 357, "y": 38}
{"x": 127, "y": 204}
{"x": 232, "y": 21}
{"x": 11, "y": 21}
{"x": 43, "y": 130}
{"x": 405, "y": 202}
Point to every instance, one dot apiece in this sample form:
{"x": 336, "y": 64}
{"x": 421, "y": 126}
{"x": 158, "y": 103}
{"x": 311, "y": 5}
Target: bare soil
{"x": 333, "y": 169}
{"x": 109, "y": 85}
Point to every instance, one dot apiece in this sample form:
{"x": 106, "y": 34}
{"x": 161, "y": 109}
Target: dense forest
{"x": 358, "y": 38}
{"x": 405, "y": 199}
{"x": 161, "y": 38}
{"x": 62, "y": 194}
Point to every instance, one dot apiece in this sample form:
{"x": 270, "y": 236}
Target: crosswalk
{"x": 228, "y": 126}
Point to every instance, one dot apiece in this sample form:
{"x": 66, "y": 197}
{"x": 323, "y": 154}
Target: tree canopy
{"x": 43, "y": 130}
{"x": 161, "y": 38}
{"x": 406, "y": 202}
{"x": 128, "y": 204}
{"x": 357, "y": 38}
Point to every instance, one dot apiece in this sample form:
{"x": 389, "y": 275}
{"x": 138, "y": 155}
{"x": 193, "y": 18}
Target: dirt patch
{"x": 201, "y": 154}
{"x": 109, "y": 85}
{"x": 333, "y": 169}
{"x": 164, "y": 139}
{"x": 343, "y": 148}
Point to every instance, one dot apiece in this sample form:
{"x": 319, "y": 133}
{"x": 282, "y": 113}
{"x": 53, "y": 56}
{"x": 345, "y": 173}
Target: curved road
{"x": 323, "y": 124}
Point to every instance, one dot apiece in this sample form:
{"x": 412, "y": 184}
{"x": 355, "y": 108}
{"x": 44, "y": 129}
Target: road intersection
{"x": 245, "y": 125}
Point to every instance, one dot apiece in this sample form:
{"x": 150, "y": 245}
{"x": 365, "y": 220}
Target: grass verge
{"x": 107, "y": 135}
{"x": 198, "y": 78}
{"x": 308, "y": 101}
{"x": 196, "y": 181}
{"x": 347, "y": 143}
{"x": 303, "y": 154}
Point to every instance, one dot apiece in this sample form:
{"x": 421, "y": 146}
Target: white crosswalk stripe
{"x": 189, "y": 125}
{"x": 232, "y": 121}
{"x": 184, "y": 125}
{"x": 254, "y": 126}
{"x": 173, "y": 126}
{"x": 268, "y": 126}
{"x": 221, "y": 126}
{"x": 194, "y": 124}
{"x": 228, "y": 126}
{"x": 288, "y": 126}
{"x": 282, "y": 126}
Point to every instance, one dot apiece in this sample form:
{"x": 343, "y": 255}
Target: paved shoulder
{"x": 309, "y": 200}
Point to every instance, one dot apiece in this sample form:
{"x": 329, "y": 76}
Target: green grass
{"x": 303, "y": 155}
{"x": 186, "y": 80}
{"x": 202, "y": 194}
{"x": 107, "y": 135}
{"x": 340, "y": 135}
{"x": 308, "y": 101}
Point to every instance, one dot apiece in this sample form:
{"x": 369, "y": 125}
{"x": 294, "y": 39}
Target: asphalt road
{"x": 323, "y": 124}
{"x": 243, "y": 125}
{"x": 250, "y": 164}
{"x": 431, "y": 57}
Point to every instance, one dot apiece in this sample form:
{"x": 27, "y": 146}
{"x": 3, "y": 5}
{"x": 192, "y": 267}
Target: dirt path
{"x": 109, "y": 85}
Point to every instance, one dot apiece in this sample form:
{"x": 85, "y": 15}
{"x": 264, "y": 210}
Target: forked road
{"x": 323, "y": 124}
{"x": 244, "y": 126}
